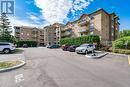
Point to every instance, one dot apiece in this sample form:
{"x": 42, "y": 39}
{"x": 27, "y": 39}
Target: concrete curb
{"x": 95, "y": 57}
{"x": 117, "y": 54}
{"x": 129, "y": 60}
{"x": 14, "y": 67}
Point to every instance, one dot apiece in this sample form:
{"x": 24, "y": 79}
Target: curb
{"x": 129, "y": 60}
{"x": 117, "y": 54}
{"x": 14, "y": 67}
{"x": 95, "y": 57}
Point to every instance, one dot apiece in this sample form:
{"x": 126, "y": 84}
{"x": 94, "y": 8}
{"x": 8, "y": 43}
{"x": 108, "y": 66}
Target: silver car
{"x": 6, "y": 47}
{"x": 85, "y": 48}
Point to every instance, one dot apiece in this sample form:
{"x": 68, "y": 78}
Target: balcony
{"x": 67, "y": 33}
{"x": 65, "y": 29}
{"x": 83, "y": 23}
{"x": 82, "y": 30}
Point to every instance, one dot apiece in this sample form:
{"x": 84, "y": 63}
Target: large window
{"x": 17, "y": 29}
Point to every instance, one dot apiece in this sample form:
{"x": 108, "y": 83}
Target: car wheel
{"x": 6, "y": 51}
{"x": 77, "y": 52}
{"x": 86, "y": 52}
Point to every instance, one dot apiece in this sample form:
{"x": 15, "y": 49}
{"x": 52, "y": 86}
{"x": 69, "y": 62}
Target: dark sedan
{"x": 64, "y": 47}
{"x": 53, "y": 46}
{"x": 72, "y": 48}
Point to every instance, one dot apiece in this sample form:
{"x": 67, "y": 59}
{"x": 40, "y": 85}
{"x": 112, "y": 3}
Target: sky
{"x": 40, "y": 13}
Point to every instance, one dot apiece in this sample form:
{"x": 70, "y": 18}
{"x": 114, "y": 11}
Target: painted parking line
{"x": 129, "y": 60}
{"x": 19, "y": 78}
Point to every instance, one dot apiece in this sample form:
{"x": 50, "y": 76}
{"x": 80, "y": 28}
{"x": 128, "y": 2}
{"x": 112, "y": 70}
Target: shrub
{"x": 29, "y": 43}
{"x": 122, "y": 51}
{"x": 120, "y": 43}
{"x": 81, "y": 40}
{"x": 124, "y": 33}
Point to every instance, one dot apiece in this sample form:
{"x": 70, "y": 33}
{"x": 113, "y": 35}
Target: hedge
{"x": 81, "y": 40}
{"x": 121, "y": 51}
{"x": 29, "y": 43}
{"x": 120, "y": 43}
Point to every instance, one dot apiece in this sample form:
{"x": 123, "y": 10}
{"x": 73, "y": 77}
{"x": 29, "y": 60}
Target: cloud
{"x": 33, "y": 17}
{"x": 58, "y": 10}
{"x": 14, "y": 21}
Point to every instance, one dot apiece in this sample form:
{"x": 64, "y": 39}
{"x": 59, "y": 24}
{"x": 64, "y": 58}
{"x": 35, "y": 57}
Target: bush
{"x": 122, "y": 51}
{"x": 120, "y": 43}
{"x": 29, "y": 43}
{"x": 124, "y": 33}
{"x": 81, "y": 40}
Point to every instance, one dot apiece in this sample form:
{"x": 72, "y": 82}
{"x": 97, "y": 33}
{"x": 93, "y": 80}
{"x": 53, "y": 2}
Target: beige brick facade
{"x": 97, "y": 23}
{"x": 52, "y": 33}
{"x": 29, "y": 34}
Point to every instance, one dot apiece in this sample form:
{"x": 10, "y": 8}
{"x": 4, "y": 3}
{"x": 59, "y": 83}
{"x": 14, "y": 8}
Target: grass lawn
{"x": 8, "y": 64}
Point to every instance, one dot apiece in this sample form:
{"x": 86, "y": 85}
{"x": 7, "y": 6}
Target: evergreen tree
{"x": 5, "y": 29}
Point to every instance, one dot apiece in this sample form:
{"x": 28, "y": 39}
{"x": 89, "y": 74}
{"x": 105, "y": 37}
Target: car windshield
{"x": 84, "y": 45}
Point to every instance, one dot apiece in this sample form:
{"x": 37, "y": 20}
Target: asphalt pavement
{"x": 57, "y": 68}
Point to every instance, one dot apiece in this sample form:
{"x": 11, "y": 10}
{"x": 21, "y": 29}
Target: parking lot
{"x": 57, "y": 68}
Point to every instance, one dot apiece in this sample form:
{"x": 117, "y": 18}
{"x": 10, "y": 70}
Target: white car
{"x": 85, "y": 48}
{"x": 6, "y": 47}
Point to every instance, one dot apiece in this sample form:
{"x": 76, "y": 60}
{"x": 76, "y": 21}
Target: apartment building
{"x": 97, "y": 23}
{"x": 100, "y": 22}
{"x": 26, "y": 33}
{"x": 52, "y": 33}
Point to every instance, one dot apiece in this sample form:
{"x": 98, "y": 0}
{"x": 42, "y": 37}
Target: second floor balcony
{"x": 65, "y": 29}
{"x": 81, "y": 30}
{"x": 67, "y": 33}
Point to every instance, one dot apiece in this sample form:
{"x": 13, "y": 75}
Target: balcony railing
{"x": 82, "y": 30}
{"x": 67, "y": 33}
{"x": 65, "y": 29}
{"x": 83, "y": 23}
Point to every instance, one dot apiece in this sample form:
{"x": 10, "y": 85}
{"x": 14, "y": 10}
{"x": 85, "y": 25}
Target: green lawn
{"x": 8, "y": 64}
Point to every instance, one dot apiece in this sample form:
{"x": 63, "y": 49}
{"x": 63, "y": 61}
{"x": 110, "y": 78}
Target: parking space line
{"x": 129, "y": 60}
{"x": 19, "y": 78}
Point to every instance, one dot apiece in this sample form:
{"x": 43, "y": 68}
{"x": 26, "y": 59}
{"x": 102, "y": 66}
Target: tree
{"x": 124, "y": 33}
{"x": 5, "y": 29}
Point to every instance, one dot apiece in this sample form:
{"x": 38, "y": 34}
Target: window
{"x": 17, "y": 30}
{"x": 91, "y": 17}
{"x": 81, "y": 34}
{"x": 3, "y": 44}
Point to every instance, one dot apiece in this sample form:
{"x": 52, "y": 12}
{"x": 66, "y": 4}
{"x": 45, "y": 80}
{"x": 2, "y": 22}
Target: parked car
{"x": 64, "y": 47}
{"x": 72, "y": 48}
{"x": 47, "y": 45}
{"x": 85, "y": 48}
{"x": 53, "y": 46}
{"x": 25, "y": 46}
{"x": 6, "y": 47}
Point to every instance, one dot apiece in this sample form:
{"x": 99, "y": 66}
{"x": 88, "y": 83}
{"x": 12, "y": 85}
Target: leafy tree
{"x": 5, "y": 29}
{"x": 124, "y": 33}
